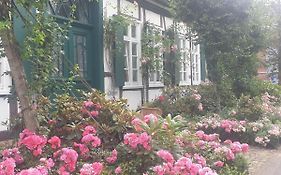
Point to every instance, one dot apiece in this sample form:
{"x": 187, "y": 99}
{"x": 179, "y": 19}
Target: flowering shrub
{"x": 195, "y": 153}
{"x": 183, "y": 101}
{"x": 94, "y": 136}
{"x": 262, "y": 132}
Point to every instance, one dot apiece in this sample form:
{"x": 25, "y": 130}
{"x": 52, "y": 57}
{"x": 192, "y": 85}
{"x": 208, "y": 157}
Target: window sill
{"x": 131, "y": 86}
{"x": 184, "y": 84}
{"x": 5, "y": 92}
{"x": 156, "y": 85}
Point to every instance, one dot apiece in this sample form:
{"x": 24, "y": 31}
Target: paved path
{"x": 264, "y": 161}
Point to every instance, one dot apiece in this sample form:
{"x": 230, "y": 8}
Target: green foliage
{"x": 230, "y": 36}
{"x": 229, "y": 170}
{"x": 65, "y": 118}
{"x": 249, "y": 108}
{"x": 110, "y": 27}
{"x": 154, "y": 44}
{"x": 179, "y": 101}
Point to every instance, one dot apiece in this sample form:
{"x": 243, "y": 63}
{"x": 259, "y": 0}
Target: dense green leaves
{"x": 231, "y": 35}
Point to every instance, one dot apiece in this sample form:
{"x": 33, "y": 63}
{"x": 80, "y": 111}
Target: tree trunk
{"x": 18, "y": 75}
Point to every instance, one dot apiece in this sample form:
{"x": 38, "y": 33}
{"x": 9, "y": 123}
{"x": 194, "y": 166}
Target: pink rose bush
{"x": 262, "y": 132}
{"x": 32, "y": 142}
{"x": 83, "y": 156}
{"x": 94, "y": 144}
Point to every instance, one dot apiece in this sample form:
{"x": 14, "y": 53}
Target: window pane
{"x": 135, "y": 75}
{"x": 126, "y": 75}
{"x": 152, "y": 76}
{"x": 134, "y": 31}
{"x": 158, "y": 76}
{"x": 135, "y": 62}
{"x": 80, "y": 56}
{"x": 126, "y": 68}
{"x": 134, "y": 49}
{"x": 64, "y": 8}
{"x": 125, "y": 32}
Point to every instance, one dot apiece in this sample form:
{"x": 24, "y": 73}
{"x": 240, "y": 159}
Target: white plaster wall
{"x": 153, "y": 18}
{"x": 133, "y": 97}
{"x": 154, "y": 93}
{"x": 109, "y": 8}
{"x": 169, "y": 22}
{"x": 130, "y": 9}
{"x": 4, "y": 113}
{"x": 5, "y": 78}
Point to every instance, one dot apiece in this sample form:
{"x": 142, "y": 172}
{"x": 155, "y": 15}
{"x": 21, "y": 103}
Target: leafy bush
{"x": 258, "y": 87}
{"x": 179, "y": 100}
{"x": 249, "y": 108}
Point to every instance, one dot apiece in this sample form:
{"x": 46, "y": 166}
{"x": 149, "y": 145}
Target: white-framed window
{"x": 189, "y": 62}
{"x": 185, "y": 61}
{"x": 132, "y": 39}
{"x": 5, "y": 77}
{"x": 155, "y": 76}
{"x": 196, "y": 64}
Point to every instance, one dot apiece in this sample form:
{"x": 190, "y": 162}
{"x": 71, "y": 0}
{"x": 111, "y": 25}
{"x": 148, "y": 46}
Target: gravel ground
{"x": 264, "y": 161}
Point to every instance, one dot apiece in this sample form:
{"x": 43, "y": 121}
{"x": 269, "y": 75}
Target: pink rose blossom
{"x": 166, "y": 155}
{"x": 89, "y": 130}
{"x": 118, "y": 170}
{"x": 7, "y": 167}
{"x": 113, "y": 157}
{"x": 55, "y": 142}
{"x": 219, "y": 164}
{"x": 94, "y": 113}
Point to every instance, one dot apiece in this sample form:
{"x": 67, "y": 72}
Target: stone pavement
{"x": 264, "y": 161}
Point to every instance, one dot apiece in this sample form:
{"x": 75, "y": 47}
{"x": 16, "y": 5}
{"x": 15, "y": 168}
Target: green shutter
{"x": 119, "y": 56}
{"x": 203, "y": 62}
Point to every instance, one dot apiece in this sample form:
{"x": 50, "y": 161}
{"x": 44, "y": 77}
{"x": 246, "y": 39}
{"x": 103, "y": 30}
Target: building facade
{"x": 189, "y": 69}
{"x": 115, "y": 67}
